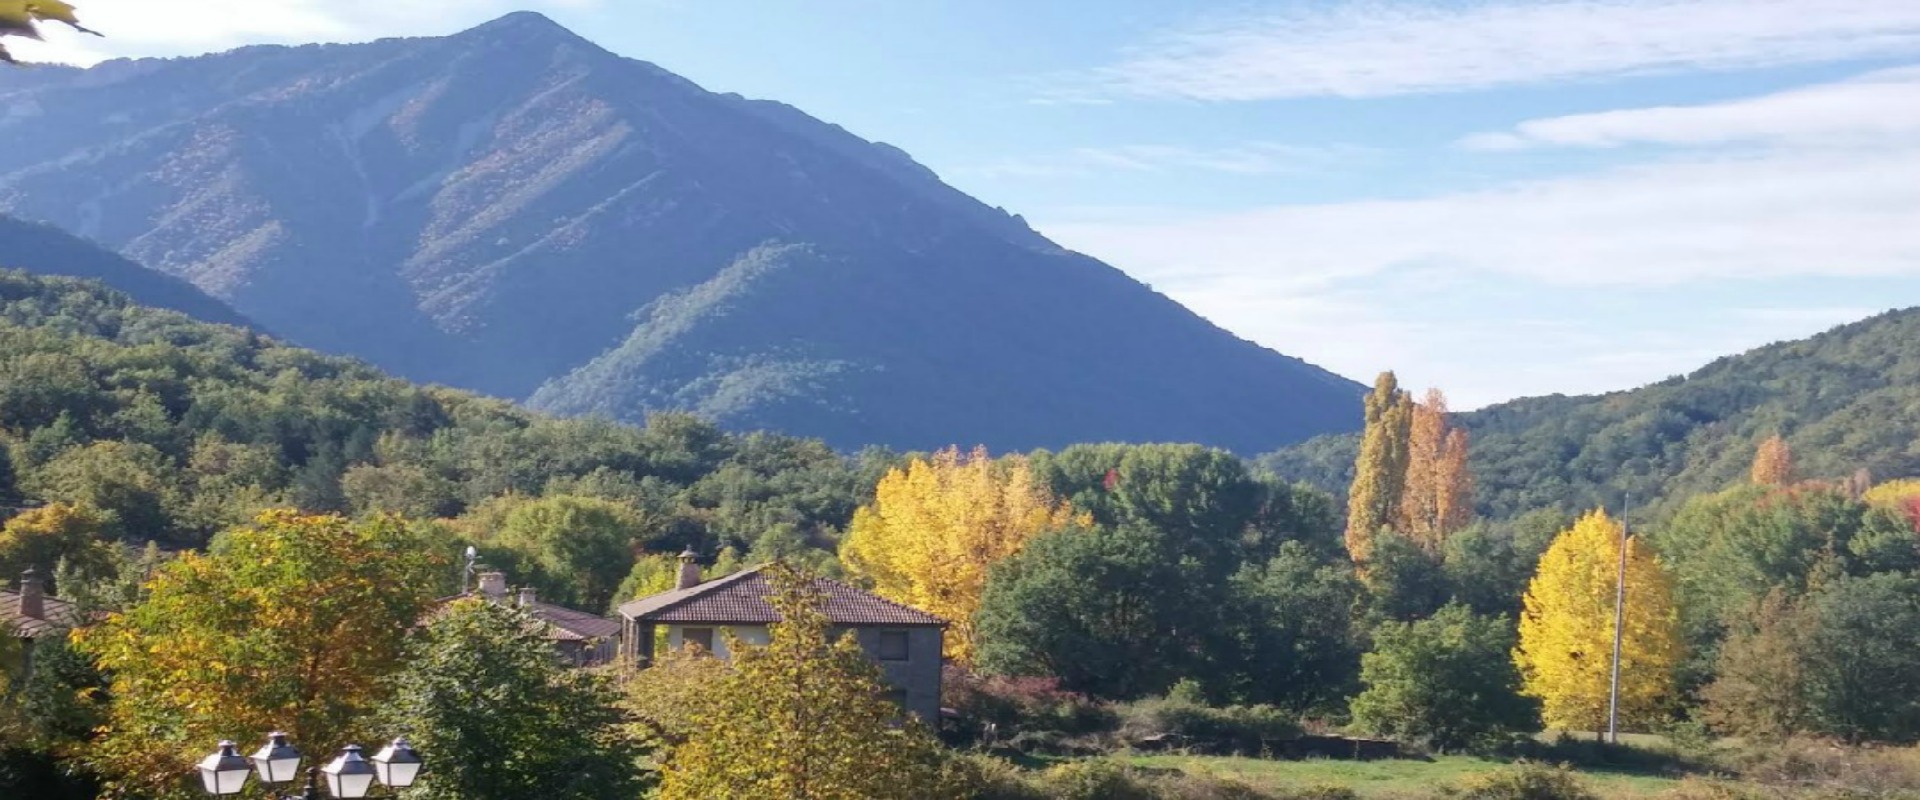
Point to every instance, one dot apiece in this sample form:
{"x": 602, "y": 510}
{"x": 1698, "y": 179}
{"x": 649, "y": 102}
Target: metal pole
{"x": 1619, "y": 632}
{"x": 313, "y": 784}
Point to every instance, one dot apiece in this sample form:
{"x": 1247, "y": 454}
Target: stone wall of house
{"x": 918, "y": 677}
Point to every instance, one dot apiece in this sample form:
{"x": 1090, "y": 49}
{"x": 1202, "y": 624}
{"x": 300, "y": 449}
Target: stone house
{"x": 582, "y": 639}
{"x": 31, "y": 613}
{"x": 905, "y": 642}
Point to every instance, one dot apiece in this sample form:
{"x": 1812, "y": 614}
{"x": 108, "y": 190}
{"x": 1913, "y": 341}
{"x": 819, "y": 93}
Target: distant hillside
{"x": 516, "y": 211}
{"x": 1845, "y": 399}
{"x": 46, "y": 250}
{"x": 178, "y": 428}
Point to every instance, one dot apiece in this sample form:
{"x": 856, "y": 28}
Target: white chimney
{"x": 689, "y": 571}
{"x": 527, "y": 597}
{"x": 493, "y": 586}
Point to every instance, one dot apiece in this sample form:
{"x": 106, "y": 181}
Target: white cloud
{"x": 146, "y": 27}
{"x": 1251, "y": 158}
{"x": 1877, "y": 107}
{"x": 1318, "y": 281}
{"x": 1773, "y": 215}
{"x": 1363, "y": 49}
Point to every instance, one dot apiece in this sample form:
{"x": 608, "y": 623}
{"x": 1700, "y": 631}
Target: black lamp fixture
{"x": 349, "y": 775}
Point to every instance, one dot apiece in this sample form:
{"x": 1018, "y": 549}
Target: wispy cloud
{"x": 1370, "y": 49}
{"x": 1319, "y": 281}
{"x": 146, "y": 27}
{"x": 1837, "y": 213}
{"x": 1879, "y": 107}
{"x": 1250, "y": 158}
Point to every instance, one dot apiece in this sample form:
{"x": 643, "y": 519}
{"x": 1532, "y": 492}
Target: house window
{"x": 699, "y": 636}
{"x": 893, "y": 646}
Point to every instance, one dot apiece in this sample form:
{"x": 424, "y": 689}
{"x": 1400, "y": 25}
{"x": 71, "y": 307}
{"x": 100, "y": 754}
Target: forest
{"x": 238, "y": 519}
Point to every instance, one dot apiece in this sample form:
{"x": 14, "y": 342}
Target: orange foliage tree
{"x": 1773, "y": 462}
{"x": 1437, "y": 499}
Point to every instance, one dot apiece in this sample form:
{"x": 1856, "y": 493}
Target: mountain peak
{"x": 521, "y": 25}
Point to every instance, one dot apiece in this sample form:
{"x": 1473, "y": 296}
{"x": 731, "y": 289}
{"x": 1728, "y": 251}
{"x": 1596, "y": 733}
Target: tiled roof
{"x": 580, "y": 624}
{"x": 60, "y": 615}
{"x": 741, "y": 599}
{"x": 562, "y": 624}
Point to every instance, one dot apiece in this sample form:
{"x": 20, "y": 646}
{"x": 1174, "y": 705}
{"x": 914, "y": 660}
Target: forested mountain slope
{"x": 1844, "y": 400}
{"x": 47, "y": 250}
{"x": 514, "y": 210}
{"x": 175, "y": 429}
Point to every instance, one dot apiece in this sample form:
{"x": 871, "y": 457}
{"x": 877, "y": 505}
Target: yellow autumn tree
{"x": 935, "y": 527}
{"x": 1773, "y": 462}
{"x": 21, "y": 18}
{"x": 1380, "y": 471}
{"x": 1892, "y": 494}
{"x": 1437, "y": 498}
{"x": 1565, "y": 653}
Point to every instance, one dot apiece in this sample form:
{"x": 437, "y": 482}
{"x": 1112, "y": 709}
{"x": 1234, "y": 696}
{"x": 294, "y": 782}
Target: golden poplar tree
{"x": 935, "y": 527}
{"x": 1565, "y": 653}
{"x": 1437, "y": 499}
{"x": 1773, "y": 463}
{"x": 1380, "y": 472}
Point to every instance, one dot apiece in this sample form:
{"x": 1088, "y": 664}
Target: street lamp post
{"x": 347, "y": 777}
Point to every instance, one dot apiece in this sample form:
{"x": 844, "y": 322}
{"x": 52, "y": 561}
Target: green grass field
{"x": 1383, "y": 779}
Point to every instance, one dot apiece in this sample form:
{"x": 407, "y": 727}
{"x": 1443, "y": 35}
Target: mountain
{"x": 514, "y": 210}
{"x": 1845, "y": 400}
{"x": 47, "y": 250}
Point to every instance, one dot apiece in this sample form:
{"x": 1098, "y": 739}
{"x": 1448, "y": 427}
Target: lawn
{"x": 1385, "y": 778}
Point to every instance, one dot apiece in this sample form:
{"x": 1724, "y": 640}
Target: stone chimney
{"x": 493, "y": 586}
{"x": 689, "y": 571}
{"x": 33, "y": 596}
{"x": 527, "y": 596}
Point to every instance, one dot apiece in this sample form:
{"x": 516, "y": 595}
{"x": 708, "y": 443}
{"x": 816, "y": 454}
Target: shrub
{"x": 1023, "y": 704}
{"x": 1241, "y": 728}
{"x": 983, "y": 777}
{"x": 1698, "y": 789}
{"x": 1187, "y": 786}
{"x": 1525, "y": 782}
{"x": 1094, "y": 779}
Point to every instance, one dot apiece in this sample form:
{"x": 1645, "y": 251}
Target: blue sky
{"x": 1496, "y": 198}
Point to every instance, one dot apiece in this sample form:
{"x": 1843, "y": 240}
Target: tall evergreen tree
{"x": 1380, "y": 472}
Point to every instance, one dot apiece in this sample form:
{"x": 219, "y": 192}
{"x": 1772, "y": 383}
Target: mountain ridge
{"x": 1845, "y": 399}
{"x": 502, "y": 208}
{"x": 45, "y": 250}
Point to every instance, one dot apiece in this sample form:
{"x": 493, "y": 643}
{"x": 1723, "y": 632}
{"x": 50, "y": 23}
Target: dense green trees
{"x": 1194, "y": 568}
{"x": 1446, "y": 680}
{"x": 173, "y": 429}
{"x": 503, "y": 719}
